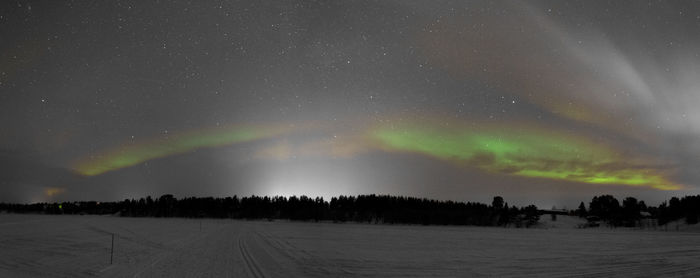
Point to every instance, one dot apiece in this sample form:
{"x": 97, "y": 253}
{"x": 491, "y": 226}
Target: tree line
{"x": 374, "y": 209}
{"x": 631, "y": 211}
{"x": 363, "y": 208}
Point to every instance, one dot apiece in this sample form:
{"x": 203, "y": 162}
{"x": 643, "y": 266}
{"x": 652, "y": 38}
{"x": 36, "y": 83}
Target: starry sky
{"x": 544, "y": 102}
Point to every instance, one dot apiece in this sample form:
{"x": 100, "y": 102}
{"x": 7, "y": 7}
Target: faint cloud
{"x": 53, "y": 191}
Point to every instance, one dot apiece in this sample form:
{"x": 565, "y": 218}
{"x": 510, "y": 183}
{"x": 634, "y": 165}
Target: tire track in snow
{"x": 313, "y": 264}
{"x": 250, "y": 263}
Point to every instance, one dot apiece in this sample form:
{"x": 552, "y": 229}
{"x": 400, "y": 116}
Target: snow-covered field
{"x": 79, "y": 246}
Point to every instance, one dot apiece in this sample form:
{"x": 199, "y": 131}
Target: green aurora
{"x": 523, "y": 151}
{"x": 130, "y": 155}
{"x": 527, "y": 152}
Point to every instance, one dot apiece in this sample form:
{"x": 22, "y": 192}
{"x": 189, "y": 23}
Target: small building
{"x": 554, "y": 212}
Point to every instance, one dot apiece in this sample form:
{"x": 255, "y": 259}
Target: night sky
{"x": 544, "y": 102}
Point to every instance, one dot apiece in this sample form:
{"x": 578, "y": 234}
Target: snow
{"x": 79, "y": 246}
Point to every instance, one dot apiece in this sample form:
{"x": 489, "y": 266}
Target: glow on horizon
{"x": 527, "y": 152}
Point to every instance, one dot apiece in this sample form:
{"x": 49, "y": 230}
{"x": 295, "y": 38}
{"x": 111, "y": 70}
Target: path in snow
{"x": 79, "y": 246}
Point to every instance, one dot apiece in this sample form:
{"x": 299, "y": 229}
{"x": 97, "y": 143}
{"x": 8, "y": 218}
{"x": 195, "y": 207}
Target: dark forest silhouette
{"x": 374, "y": 209}
{"x": 631, "y": 211}
{"x": 363, "y": 208}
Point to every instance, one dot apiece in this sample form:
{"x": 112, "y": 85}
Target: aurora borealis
{"x": 131, "y": 155}
{"x": 544, "y": 102}
{"x": 529, "y": 153}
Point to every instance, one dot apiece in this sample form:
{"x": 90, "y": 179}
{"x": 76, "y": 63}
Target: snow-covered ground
{"x": 79, "y": 246}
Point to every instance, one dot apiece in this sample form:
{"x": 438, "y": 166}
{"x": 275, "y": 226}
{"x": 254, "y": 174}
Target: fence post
{"x": 111, "y": 253}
